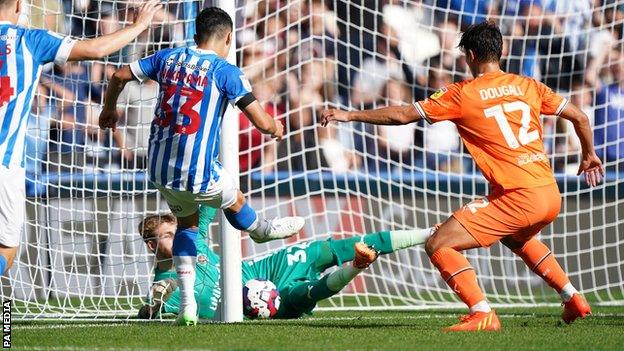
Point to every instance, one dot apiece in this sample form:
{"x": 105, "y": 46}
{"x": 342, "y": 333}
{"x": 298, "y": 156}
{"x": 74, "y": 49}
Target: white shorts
{"x": 220, "y": 194}
{"x": 12, "y": 204}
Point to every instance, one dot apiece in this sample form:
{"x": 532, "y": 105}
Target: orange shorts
{"x": 519, "y": 213}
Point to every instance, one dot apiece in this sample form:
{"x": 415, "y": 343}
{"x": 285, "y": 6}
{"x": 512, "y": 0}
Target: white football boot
{"x": 279, "y": 228}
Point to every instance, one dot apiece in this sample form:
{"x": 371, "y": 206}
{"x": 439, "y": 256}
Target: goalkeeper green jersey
{"x": 207, "y": 290}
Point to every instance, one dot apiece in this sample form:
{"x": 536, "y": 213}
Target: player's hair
{"x": 147, "y": 227}
{"x": 212, "y": 22}
{"x": 485, "y": 40}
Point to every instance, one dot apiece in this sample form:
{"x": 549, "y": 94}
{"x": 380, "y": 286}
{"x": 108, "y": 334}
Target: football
{"x": 261, "y": 299}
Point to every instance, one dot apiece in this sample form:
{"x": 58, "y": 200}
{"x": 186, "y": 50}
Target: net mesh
{"x": 81, "y": 255}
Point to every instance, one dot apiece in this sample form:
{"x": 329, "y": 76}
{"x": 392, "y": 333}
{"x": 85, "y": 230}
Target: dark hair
{"x": 212, "y": 22}
{"x": 485, "y": 40}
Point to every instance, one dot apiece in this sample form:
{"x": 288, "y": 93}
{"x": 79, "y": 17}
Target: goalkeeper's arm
{"x": 107, "y": 44}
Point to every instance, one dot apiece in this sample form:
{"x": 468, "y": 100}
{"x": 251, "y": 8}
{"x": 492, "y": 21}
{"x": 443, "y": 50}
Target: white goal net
{"x": 81, "y": 255}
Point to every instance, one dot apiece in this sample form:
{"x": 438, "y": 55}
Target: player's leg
{"x": 305, "y": 296}
{"x": 384, "y": 242}
{"x": 478, "y": 224}
{"x": 443, "y": 250}
{"x": 538, "y": 256}
{"x": 12, "y": 207}
{"x": 542, "y": 262}
{"x": 184, "y": 250}
{"x": 242, "y": 217}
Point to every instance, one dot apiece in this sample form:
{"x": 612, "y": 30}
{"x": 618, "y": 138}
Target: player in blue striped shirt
{"x": 23, "y": 52}
{"x": 196, "y": 84}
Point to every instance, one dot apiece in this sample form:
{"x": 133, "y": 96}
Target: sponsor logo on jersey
{"x": 525, "y": 159}
{"x": 438, "y": 93}
{"x": 202, "y": 259}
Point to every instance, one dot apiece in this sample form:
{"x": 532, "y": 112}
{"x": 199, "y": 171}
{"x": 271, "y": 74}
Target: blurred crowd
{"x": 306, "y": 55}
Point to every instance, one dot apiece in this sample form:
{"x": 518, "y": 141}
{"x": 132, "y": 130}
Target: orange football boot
{"x": 477, "y": 321}
{"x": 364, "y": 255}
{"x": 576, "y": 307}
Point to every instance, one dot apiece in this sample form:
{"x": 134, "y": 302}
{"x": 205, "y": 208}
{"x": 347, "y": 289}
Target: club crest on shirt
{"x": 438, "y": 93}
{"x": 202, "y": 259}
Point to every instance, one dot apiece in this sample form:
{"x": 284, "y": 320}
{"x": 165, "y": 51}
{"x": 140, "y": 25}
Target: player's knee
{"x": 431, "y": 246}
{"x": 239, "y": 203}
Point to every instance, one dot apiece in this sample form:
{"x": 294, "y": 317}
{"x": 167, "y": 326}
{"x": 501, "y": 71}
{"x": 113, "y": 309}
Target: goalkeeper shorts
{"x": 220, "y": 194}
{"x": 519, "y": 213}
{"x": 12, "y": 204}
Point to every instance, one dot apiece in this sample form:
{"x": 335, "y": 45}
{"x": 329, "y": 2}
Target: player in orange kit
{"x": 498, "y": 118}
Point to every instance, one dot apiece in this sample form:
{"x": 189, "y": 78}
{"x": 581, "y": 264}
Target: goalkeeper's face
{"x": 162, "y": 242}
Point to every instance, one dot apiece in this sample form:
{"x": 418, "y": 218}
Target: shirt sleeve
{"x": 47, "y": 46}
{"x": 444, "y": 104}
{"x": 146, "y": 68}
{"x": 552, "y": 103}
{"x": 232, "y": 82}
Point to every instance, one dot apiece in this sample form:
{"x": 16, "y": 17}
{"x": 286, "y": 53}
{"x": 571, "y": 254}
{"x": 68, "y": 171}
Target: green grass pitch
{"x": 523, "y": 329}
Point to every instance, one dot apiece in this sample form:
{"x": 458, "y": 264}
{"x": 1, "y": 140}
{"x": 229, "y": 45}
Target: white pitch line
{"x": 65, "y": 326}
{"x": 294, "y": 321}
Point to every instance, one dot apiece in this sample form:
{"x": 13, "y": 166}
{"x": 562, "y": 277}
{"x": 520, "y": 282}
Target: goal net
{"x": 81, "y": 255}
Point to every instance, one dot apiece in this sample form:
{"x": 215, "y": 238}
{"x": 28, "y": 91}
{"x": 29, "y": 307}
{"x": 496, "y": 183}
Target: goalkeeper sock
{"x": 339, "y": 279}
{"x": 385, "y": 242}
{"x": 3, "y": 264}
{"x": 459, "y": 275}
{"x": 402, "y": 239}
{"x": 540, "y": 260}
{"x": 184, "y": 259}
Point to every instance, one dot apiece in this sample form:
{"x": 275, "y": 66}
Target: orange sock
{"x": 540, "y": 260}
{"x": 458, "y": 274}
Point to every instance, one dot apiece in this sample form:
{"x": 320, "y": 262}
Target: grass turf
{"x": 523, "y": 329}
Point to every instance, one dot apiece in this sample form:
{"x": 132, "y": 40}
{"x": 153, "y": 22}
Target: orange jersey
{"x": 498, "y": 118}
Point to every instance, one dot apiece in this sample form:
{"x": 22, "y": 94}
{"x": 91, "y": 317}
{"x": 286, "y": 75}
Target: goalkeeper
{"x": 295, "y": 270}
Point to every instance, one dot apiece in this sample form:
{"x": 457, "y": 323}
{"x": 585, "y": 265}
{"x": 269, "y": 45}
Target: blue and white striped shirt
{"x": 195, "y": 87}
{"x": 23, "y": 52}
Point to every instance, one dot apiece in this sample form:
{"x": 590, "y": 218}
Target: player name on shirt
{"x": 505, "y": 90}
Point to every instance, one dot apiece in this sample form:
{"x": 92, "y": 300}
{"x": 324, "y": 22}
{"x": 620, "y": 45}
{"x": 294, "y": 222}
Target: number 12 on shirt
{"x": 524, "y": 136}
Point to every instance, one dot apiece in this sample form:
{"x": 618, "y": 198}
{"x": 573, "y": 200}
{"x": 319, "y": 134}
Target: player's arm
{"x": 590, "y": 164}
{"x": 107, "y": 44}
{"x": 391, "y": 115}
{"x": 444, "y": 104}
{"x": 264, "y": 122}
{"x": 109, "y": 115}
{"x": 237, "y": 89}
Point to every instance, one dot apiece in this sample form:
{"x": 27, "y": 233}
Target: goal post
{"x": 82, "y": 258}
{"x": 230, "y": 238}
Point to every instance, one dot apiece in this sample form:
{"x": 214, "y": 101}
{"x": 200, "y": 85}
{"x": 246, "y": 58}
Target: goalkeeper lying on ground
{"x": 295, "y": 270}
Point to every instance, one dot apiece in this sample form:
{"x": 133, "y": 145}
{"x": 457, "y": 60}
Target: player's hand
{"x": 592, "y": 167}
{"x": 330, "y": 115}
{"x": 279, "y": 131}
{"x": 146, "y": 12}
{"x": 147, "y": 312}
{"x": 108, "y": 119}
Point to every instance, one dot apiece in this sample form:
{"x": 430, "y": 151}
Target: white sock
{"x": 481, "y": 306}
{"x": 408, "y": 238}
{"x": 185, "y": 269}
{"x": 340, "y": 278}
{"x": 567, "y": 292}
